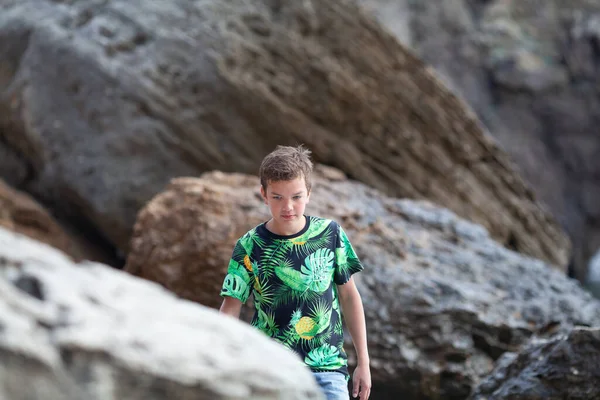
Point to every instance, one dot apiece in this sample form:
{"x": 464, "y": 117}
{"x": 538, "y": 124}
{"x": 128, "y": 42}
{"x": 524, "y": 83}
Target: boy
{"x": 299, "y": 269}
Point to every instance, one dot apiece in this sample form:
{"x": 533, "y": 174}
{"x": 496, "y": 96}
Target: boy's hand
{"x": 361, "y": 382}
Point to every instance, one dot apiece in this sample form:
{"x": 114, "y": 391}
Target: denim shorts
{"x": 333, "y": 385}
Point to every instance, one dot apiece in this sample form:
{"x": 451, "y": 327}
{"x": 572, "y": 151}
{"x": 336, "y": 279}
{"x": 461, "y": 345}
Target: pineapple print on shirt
{"x": 293, "y": 280}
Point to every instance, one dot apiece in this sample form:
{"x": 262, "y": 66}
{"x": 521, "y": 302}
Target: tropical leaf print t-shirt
{"x": 293, "y": 280}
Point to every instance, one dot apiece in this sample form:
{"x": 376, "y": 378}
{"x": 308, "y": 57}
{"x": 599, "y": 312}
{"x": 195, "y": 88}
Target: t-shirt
{"x": 293, "y": 280}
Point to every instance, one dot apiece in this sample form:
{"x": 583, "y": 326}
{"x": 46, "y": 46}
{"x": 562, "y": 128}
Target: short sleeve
{"x": 238, "y": 281}
{"x": 346, "y": 260}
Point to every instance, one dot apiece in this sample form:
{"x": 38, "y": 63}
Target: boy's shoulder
{"x": 318, "y": 225}
{"x": 321, "y": 221}
{"x": 325, "y": 222}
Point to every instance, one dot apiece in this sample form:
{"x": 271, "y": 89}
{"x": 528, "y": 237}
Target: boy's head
{"x": 285, "y": 178}
{"x": 286, "y": 163}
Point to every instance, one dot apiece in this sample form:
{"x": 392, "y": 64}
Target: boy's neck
{"x": 288, "y": 230}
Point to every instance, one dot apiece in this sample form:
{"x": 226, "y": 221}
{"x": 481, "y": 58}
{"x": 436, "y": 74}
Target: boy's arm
{"x": 231, "y": 306}
{"x": 354, "y": 316}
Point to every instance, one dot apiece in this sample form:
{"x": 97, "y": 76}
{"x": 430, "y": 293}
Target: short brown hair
{"x": 286, "y": 163}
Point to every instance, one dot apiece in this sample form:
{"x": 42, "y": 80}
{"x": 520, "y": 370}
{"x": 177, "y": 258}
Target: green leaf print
{"x": 305, "y": 328}
{"x": 250, "y": 239}
{"x": 292, "y": 282}
{"x": 340, "y": 256}
{"x": 326, "y": 356}
{"x": 237, "y": 281}
{"x": 335, "y": 304}
{"x": 317, "y": 226}
{"x": 319, "y": 269}
{"x": 292, "y": 278}
{"x": 324, "y": 337}
{"x": 236, "y": 287}
{"x": 321, "y": 313}
{"x": 263, "y": 292}
{"x": 316, "y": 322}
{"x": 314, "y": 275}
{"x": 345, "y": 257}
{"x": 286, "y": 295}
{"x": 266, "y": 323}
{"x": 274, "y": 255}
{"x": 339, "y": 328}
{"x": 315, "y": 238}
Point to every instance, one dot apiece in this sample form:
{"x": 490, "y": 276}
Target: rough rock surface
{"x": 592, "y": 281}
{"x": 530, "y": 70}
{"x": 564, "y": 367}
{"x": 20, "y": 213}
{"x": 182, "y": 238}
{"x": 103, "y": 102}
{"x": 443, "y": 300}
{"x": 87, "y": 331}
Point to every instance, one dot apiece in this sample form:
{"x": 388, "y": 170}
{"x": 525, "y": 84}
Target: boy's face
{"x": 287, "y": 201}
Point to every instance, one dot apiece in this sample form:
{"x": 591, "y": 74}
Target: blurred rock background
{"x": 531, "y": 72}
{"x": 456, "y": 140}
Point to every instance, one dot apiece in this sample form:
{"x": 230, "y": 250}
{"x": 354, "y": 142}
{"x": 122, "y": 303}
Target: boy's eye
{"x": 297, "y": 197}
{"x": 276, "y": 197}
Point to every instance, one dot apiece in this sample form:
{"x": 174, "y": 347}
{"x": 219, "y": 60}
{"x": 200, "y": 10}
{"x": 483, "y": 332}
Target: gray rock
{"x": 87, "y": 331}
{"x": 566, "y": 366}
{"x": 530, "y": 71}
{"x": 105, "y": 101}
{"x": 592, "y": 281}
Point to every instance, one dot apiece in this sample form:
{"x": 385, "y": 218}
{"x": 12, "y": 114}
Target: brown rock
{"x": 138, "y": 102}
{"x": 443, "y": 300}
{"x": 22, "y": 214}
{"x": 183, "y": 237}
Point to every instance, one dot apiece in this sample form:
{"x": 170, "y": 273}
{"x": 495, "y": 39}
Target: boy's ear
{"x": 263, "y": 194}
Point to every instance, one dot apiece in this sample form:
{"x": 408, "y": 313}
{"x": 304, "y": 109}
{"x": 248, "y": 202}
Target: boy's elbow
{"x": 349, "y": 295}
{"x": 348, "y": 289}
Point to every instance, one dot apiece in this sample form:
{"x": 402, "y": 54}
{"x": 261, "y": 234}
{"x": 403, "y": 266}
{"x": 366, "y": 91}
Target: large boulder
{"x": 443, "y": 301}
{"x": 530, "y": 71}
{"x": 566, "y": 366}
{"x": 103, "y": 102}
{"x": 184, "y": 236}
{"x": 86, "y": 331}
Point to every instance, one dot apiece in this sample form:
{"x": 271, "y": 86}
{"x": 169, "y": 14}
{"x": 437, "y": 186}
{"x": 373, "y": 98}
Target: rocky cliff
{"x": 103, "y": 102}
{"x": 531, "y": 72}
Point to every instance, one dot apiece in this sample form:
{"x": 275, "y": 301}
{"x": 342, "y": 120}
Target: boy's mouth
{"x": 288, "y": 217}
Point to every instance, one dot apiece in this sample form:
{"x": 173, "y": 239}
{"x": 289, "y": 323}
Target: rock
{"x": 526, "y": 71}
{"x": 592, "y": 281}
{"x": 566, "y": 366}
{"x": 183, "y": 237}
{"x": 86, "y": 331}
{"x": 183, "y": 87}
{"x": 530, "y": 71}
{"x": 443, "y": 301}
{"x": 21, "y": 213}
